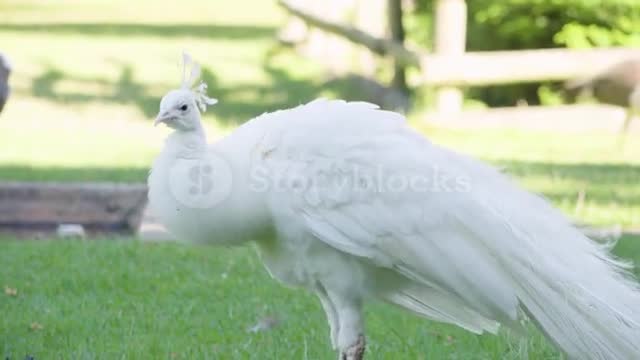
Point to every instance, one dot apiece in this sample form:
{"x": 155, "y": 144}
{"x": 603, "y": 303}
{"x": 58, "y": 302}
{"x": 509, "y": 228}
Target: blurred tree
{"x": 531, "y": 24}
{"x": 396, "y": 30}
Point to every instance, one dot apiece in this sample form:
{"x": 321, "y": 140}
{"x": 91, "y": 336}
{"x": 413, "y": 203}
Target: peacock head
{"x": 180, "y": 108}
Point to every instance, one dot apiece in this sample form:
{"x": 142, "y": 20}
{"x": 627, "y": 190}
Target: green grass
{"x": 122, "y": 299}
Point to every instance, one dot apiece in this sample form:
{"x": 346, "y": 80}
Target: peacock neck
{"x": 187, "y": 144}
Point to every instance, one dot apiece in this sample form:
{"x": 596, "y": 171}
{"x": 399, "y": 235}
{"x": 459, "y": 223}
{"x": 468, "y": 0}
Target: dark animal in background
{"x": 618, "y": 85}
{"x": 5, "y": 70}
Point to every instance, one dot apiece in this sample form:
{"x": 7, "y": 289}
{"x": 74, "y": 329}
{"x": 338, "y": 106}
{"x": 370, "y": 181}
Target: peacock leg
{"x": 351, "y": 341}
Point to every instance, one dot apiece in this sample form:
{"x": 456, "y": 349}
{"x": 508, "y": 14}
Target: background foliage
{"x": 532, "y": 24}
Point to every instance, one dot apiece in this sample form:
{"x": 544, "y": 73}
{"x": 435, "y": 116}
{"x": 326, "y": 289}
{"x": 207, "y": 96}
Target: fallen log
{"x": 98, "y": 207}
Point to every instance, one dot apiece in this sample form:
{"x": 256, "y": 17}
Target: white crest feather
{"x": 199, "y": 91}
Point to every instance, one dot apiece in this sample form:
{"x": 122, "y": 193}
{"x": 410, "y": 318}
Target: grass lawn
{"x": 88, "y": 77}
{"x": 120, "y": 299}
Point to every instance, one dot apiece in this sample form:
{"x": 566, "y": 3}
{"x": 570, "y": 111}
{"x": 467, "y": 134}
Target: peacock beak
{"x": 163, "y": 117}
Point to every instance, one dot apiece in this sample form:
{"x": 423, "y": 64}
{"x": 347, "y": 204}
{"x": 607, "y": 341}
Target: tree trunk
{"x": 396, "y": 29}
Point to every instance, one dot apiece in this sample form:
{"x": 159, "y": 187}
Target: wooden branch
{"x": 518, "y": 66}
{"x": 378, "y": 46}
{"x": 590, "y": 118}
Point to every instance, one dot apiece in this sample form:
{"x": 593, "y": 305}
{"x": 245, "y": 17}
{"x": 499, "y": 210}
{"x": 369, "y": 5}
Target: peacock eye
{"x": 184, "y": 107}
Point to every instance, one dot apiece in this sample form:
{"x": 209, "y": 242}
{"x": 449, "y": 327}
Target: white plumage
{"x": 347, "y": 201}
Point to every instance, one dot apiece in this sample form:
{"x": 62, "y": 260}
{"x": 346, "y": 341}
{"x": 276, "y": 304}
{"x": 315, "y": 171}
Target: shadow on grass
{"x": 238, "y": 103}
{"x": 603, "y": 183}
{"x": 73, "y": 174}
{"x": 234, "y": 32}
{"x": 124, "y": 91}
{"x": 282, "y": 91}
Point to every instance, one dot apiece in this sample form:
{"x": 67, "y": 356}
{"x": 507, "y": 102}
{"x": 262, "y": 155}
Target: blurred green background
{"x": 535, "y": 24}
